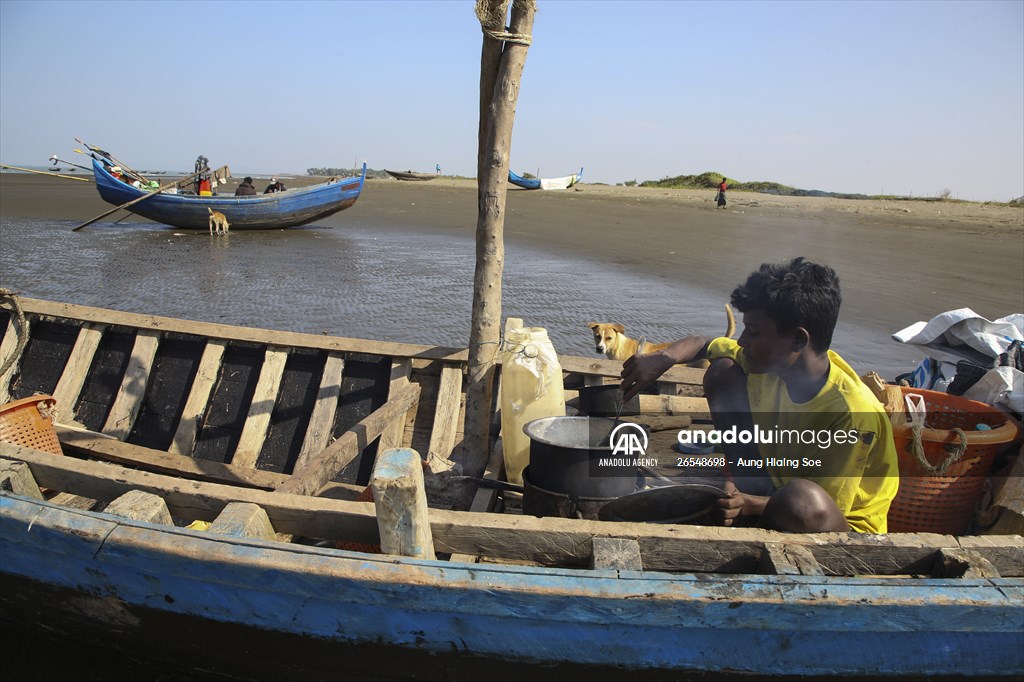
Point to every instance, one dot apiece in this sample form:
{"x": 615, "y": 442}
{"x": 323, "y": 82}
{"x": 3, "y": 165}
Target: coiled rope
{"x": 9, "y": 299}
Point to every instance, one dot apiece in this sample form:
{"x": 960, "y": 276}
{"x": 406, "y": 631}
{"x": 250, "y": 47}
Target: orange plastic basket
{"x": 29, "y": 422}
{"x": 931, "y": 501}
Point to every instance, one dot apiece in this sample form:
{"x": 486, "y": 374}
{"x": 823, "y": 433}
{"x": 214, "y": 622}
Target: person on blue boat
{"x": 809, "y": 446}
{"x": 274, "y": 186}
{"x": 246, "y": 188}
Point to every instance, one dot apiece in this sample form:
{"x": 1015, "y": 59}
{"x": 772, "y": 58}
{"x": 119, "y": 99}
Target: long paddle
{"x": 56, "y": 175}
{"x": 138, "y": 199}
{"x": 128, "y": 169}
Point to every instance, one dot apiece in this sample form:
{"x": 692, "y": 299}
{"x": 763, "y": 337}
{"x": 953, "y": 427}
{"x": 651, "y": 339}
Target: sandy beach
{"x": 899, "y": 261}
{"x": 896, "y": 259}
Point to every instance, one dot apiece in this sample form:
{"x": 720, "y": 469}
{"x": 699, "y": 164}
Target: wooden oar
{"x": 56, "y": 175}
{"x": 138, "y": 199}
{"x": 124, "y": 167}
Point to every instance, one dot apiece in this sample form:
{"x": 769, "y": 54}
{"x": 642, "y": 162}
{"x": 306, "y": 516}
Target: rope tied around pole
{"x": 491, "y": 13}
{"x": 955, "y": 451}
{"x": 505, "y": 36}
{"x": 9, "y": 299}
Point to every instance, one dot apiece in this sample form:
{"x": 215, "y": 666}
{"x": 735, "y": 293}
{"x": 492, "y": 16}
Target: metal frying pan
{"x": 683, "y": 503}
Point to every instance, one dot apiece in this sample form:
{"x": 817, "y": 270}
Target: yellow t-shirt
{"x": 841, "y": 438}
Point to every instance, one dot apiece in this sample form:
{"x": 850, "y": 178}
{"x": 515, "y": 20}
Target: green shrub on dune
{"x": 707, "y": 180}
{"x": 711, "y": 180}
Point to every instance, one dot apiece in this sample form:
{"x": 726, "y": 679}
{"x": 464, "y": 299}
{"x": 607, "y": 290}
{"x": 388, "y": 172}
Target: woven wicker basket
{"x": 29, "y": 422}
{"x": 932, "y": 501}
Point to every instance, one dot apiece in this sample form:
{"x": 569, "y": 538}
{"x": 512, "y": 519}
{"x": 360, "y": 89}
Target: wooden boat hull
{"x": 138, "y": 579}
{"x": 410, "y": 175}
{"x": 291, "y": 208}
{"x": 204, "y": 417}
{"x": 539, "y": 183}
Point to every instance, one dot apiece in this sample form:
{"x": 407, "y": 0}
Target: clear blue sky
{"x": 872, "y": 97}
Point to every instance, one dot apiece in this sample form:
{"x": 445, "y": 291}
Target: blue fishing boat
{"x": 545, "y": 183}
{"x": 261, "y": 212}
{"x": 204, "y": 503}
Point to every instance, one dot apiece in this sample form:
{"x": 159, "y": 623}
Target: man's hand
{"x": 738, "y": 504}
{"x": 728, "y": 509}
{"x": 640, "y": 371}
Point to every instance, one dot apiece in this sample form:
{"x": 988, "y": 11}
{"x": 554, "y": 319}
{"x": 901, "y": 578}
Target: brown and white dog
{"x": 611, "y": 339}
{"x": 218, "y": 222}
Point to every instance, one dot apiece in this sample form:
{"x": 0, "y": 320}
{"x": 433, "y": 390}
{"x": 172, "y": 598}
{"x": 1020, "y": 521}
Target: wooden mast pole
{"x": 501, "y": 70}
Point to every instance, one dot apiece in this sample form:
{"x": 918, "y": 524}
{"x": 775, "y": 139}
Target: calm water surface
{"x": 394, "y": 284}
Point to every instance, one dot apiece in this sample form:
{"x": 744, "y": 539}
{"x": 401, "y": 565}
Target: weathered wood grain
{"x": 243, "y": 520}
{"x": 549, "y": 541}
{"x": 394, "y": 435}
{"x": 198, "y": 398}
{"x": 400, "y": 500}
{"x": 133, "y": 388}
{"x": 69, "y": 387}
{"x": 261, "y": 408}
{"x": 485, "y": 499}
{"x": 963, "y": 563}
{"x": 318, "y": 432}
{"x": 780, "y": 558}
{"x": 7, "y": 350}
{"x": 233, "y": 333}
{"x": 619, "y": 553}
{"x": 78, "y": 441}
{"x": 16, "y": 476}
{"x": 320, "y": 469}
{"x": 141, "y": 506}
{"x": 446, "y": 417}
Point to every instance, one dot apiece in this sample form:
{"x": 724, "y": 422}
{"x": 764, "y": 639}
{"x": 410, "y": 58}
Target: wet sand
{"x": 899, "y": 261}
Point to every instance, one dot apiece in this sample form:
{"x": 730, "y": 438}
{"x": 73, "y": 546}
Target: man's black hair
{"x": 794, "y": 294}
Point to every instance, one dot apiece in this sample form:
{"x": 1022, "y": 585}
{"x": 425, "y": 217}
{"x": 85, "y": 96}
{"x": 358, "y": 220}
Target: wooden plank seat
{"x": 546, "y": 541}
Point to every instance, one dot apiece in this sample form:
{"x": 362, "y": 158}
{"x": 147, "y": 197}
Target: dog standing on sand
{"x": 610, "y": 339}
{"x": 218, "y": 222}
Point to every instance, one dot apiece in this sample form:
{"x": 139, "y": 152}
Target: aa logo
{"x": 629, "y": 439}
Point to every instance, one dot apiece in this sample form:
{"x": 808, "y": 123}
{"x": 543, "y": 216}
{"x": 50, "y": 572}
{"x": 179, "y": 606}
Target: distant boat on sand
{"x": 550, "y": 183}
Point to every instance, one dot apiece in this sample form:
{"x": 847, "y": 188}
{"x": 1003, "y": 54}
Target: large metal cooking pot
{"x": 572, "y": 455}
{"x": 606, "y": 401}
{"x": 541, "y": 502}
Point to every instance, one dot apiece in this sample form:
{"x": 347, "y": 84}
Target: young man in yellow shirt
{"x": 811, "y": 447}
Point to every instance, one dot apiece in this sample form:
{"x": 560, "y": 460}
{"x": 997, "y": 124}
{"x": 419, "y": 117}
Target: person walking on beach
{"x": 246, "y": 189}
{"x": 722, "y": 186}
{"x": 437, "y": 169}
{"x": 780, "y": 379}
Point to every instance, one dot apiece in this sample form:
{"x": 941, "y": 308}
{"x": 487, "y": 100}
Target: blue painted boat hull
{"x": 261, "y": 212}
{"x": 537, "y": 183}
{"x": 124, "y": 578}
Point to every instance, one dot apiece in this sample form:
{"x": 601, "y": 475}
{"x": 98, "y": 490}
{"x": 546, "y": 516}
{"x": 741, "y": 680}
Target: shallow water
{"x": 394, "y": 284}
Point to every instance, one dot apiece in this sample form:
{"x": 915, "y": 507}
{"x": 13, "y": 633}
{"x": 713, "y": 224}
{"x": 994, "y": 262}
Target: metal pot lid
{"x": 575, "y": 433}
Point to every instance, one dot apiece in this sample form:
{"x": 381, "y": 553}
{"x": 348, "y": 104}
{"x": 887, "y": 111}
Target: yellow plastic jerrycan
{"x": 531, "y": 388}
